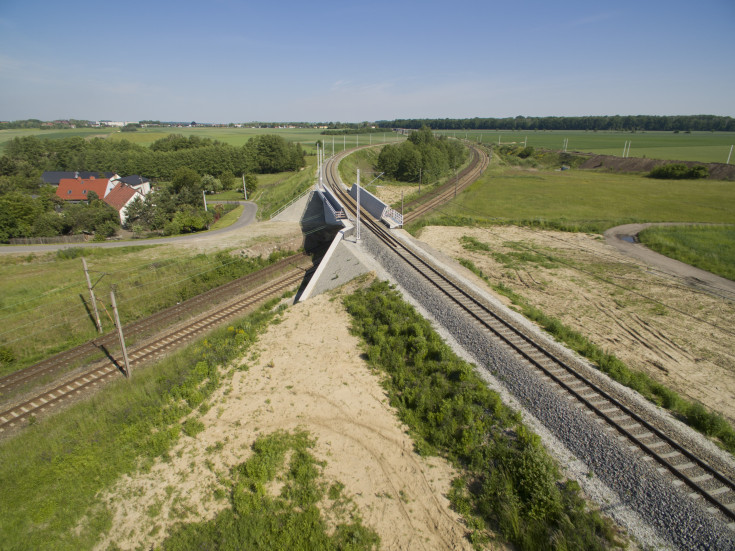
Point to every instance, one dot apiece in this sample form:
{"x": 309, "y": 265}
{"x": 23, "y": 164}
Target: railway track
{"x": 63, "y": 361}
{"x": 704, "y": 482}
{"x": 104, "y": 370}
{"x": 478, "y": 163}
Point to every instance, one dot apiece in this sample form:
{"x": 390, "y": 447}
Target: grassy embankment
{"x": 707, "y": 247}
{"x": 45, "y": 306}
{"x": 509, "y": 484}
{"x": 53, "y": 473}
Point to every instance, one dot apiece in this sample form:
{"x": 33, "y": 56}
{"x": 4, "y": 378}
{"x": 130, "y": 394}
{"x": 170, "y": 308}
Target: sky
{"x": 349, "y": 61}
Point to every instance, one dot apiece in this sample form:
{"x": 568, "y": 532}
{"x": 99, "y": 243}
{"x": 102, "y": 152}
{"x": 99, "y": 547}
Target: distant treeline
{"x": 682, "y": 123}
{"x": 264, "y": 153}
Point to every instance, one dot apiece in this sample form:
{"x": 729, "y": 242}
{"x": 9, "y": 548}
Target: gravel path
{"x": 625, "y": 486}
{"x": 625, "y": 239}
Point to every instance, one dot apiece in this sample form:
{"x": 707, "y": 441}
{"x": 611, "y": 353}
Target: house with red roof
{"x": 77, "y": 189}
{"x": 120, "y": 197}
{"x": 110, "y": 190}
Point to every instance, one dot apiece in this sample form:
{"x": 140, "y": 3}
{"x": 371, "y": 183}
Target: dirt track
{"x": 624, "y": 239}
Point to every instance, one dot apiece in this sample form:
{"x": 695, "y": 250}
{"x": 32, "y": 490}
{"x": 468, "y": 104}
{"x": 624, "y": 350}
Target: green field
{"x": 705, "y": 147}
{"x": 591, "y": 201}
{"x": 710, "y": 248}
{"x": 307, "y": 137}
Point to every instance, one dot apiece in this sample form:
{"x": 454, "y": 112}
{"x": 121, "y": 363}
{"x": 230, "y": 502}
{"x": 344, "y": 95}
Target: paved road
{"x": 625, "y": 239}
{"x": 247, "y": 217}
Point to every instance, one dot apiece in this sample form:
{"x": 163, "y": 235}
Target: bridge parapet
{"x": 376, "y": 207}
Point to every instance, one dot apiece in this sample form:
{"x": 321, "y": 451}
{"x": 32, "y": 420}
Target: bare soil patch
{"x": 681, "y": 337}
{"x": 717, "y": 171}
{"x": 305, "y": 373}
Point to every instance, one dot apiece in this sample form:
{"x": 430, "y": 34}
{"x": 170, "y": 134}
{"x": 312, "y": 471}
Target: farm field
{"x": 581, "y": 200}
{"x": 704, "y": 147}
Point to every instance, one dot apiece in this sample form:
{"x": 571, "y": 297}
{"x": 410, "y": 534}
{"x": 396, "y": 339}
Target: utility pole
{"x": 120, "y": 333}
{"x": 204, "y": 194}
{"x": 244, "y": 187}
{"x": 91, "y": 294}
{"x": 730, "y": 155}
{"x": 357, "y": 229}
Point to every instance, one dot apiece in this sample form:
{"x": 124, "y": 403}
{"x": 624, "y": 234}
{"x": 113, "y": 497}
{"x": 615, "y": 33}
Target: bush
{"x": 678, "y": 171}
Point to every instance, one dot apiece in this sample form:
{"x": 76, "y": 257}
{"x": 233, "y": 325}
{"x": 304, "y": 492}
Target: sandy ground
{"x": 392, "y": 194}
{"x": 678, "y": 335}
{"x": 318, "y": 382}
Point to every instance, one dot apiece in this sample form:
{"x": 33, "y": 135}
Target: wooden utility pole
{"x": 120, "y": 333}
{"x": 91, "y": 294}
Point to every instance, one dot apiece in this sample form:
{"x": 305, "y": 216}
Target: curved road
{"x": 247, "y": 217}
{"x": 625, "y": 239}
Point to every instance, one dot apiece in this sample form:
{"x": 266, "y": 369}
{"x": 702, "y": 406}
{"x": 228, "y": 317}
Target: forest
{"x": 422, "y": 157}
{"x": 632, "y": 123}
{"x": 182, "y": 167}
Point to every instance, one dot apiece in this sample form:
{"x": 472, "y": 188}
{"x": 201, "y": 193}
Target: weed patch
{"x": 291, "y": 520}
{"x": 510, "y": 484}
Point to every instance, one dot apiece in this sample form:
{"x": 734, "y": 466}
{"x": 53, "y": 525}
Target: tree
{"x": 210, "y": 183}
{"x": 251, "y": 183}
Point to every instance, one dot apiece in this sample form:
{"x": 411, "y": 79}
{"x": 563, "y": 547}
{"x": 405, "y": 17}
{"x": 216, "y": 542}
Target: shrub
{"x": 678, "y": 171}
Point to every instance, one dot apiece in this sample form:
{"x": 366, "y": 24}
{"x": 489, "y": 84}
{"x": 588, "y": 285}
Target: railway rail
{"x": 61, "y": 362}
{"x": 101, "y": 371}
{"x": 703, "y": 480}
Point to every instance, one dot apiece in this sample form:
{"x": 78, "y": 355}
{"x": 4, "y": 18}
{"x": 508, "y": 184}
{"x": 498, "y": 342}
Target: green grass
{"x": 273, "y": 193}
{"x": 707, "y": 247}
{"x": 693, "y": 414}
{"x": 52, "y": 473}
{"x": 576, "y": 200}
{"x": 509, "y": 483}
{"x": 705, "y": 147}
{"x": 44, "y": 299}
{"x": 291, "y": 520}
{"x": 228, "y": 219}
